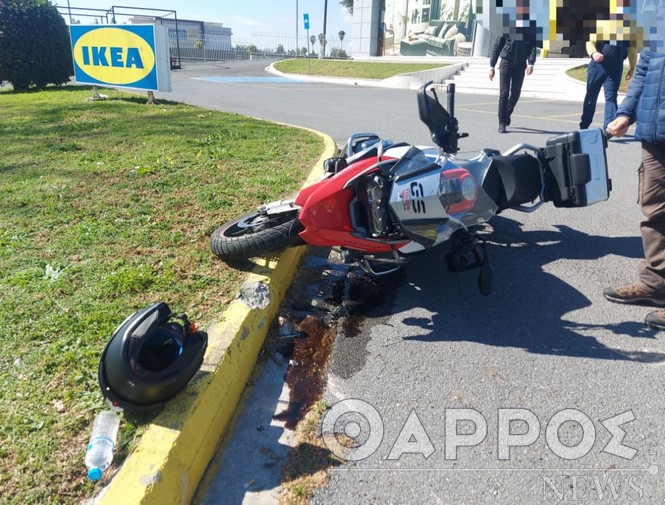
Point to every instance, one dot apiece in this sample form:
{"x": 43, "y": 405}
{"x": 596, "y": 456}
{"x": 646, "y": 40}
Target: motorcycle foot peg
{"x": 348, "y": 257}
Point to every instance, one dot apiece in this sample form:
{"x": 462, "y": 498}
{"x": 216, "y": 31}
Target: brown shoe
{"x": 636, "y": 294}
{"x": 656, "y": 319}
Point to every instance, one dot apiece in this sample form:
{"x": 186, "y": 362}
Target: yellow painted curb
{"x": 173, "y": 454}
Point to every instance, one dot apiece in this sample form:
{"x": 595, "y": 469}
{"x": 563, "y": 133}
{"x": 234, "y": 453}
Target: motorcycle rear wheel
{"x": 253, "y": 235}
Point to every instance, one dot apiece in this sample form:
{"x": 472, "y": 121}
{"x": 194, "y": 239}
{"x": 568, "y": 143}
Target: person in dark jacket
{"x": 605, "y": 70}
{"x": 645, "y": 104}
{"x": 517, "y": 58}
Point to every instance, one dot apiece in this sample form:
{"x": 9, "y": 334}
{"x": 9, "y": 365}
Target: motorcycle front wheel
{"x": 254, "y": 234}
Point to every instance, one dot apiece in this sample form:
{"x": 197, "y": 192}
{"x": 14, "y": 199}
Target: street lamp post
{"x": 297, "y": 22}
{"x": 325, "y": 19}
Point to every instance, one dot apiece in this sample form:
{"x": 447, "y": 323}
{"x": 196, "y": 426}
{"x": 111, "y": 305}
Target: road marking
{"x": 246, "y": 79}
{"x": 576, "y": 114}
{"x": 523, "y": 100}
{"x": 545, "y": 118}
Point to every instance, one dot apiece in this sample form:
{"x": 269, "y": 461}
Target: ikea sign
{"x": 128, "y": 56}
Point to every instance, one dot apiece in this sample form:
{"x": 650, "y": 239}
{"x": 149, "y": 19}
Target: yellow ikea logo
{"x": 114, "y": 55}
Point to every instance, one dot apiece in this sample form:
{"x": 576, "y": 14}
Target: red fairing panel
{"x": 325, "y": 212}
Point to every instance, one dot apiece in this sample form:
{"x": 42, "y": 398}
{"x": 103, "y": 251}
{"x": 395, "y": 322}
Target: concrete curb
{"x": 576, "y": 89}
{"x": 415, "y": 79}
{"x": 411, "y": 80}
{"x": 174, "y": 452}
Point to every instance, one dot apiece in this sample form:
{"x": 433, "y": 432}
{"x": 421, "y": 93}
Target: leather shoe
{"x": 502, "y": 128}
{"x": 656, "y": 320}
{"x": 635, "y": 294}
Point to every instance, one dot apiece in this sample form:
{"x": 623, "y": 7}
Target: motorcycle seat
{"x": 513, "y": 180}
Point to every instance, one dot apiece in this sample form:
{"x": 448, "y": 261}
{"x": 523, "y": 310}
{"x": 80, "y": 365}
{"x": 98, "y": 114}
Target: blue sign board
{"x": 306, "y": 19}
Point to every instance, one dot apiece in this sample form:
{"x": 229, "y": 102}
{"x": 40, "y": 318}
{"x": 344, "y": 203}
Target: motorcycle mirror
{"x": 436, "y": 118}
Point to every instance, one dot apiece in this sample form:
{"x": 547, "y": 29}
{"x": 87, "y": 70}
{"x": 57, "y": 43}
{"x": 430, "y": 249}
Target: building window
{"x": 182, "y": 34}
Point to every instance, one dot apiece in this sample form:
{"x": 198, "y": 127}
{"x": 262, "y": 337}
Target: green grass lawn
{"x": 349, "y": 68}
{"x": 579, "y": 73}
{"x": 106, "y": 207}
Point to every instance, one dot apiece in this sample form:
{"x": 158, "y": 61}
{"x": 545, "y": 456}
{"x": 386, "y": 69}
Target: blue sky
{"x": 242, "y": 16}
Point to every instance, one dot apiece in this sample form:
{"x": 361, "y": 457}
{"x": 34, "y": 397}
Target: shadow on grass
{"x": 61, "y": 87}
{"x": 35, "y": 89}
{"x": 133, "y": 96}
{"x": 247, "y": 265}
{"x": 138, "y": 99}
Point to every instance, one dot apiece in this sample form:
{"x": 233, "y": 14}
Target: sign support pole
{"x": 305, "y": 18}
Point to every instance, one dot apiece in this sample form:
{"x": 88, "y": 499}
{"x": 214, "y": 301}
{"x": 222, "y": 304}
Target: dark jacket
{"x": 517, "y": 52}
{"x": 615, "y": 52}
{"x": 645, "y": 99}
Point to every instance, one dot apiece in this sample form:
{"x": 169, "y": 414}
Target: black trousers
{"x": 511, "y": 78}
{"x": 652, "y": 201}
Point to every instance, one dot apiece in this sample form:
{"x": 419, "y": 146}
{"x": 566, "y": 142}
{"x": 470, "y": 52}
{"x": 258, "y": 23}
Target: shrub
{"x": 339, "y": 53}
{"x": 34, "y": 44}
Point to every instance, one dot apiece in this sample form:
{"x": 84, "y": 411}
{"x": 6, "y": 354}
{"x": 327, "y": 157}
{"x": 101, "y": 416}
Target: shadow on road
{"x": 539, "y": 131}
{"x": 528, "y": 306}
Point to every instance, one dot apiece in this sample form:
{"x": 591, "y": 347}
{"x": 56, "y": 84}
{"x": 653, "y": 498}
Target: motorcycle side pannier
{"x": 577, "y": 169}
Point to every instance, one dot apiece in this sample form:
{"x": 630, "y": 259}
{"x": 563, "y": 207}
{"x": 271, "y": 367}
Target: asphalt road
{"x": 571, "y": 366}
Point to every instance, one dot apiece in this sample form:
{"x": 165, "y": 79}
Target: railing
{"x": 211, "y": 47}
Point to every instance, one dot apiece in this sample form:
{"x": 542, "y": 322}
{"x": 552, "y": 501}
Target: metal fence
{"x": 208, "y": 47}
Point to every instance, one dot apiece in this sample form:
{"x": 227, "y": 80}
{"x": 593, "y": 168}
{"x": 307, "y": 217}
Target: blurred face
{"x": 578, "y": 20}
{"x": 522, "y": 9}
{"x": 622, "y": 7}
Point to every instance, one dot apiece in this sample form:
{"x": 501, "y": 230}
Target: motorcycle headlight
{"x": 458, "y": 190}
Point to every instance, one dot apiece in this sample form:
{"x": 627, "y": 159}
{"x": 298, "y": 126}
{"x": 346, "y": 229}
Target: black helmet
{"x": 150, "y": 358}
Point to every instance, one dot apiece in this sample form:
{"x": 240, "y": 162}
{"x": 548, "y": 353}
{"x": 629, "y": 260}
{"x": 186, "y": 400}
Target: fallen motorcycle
{"x": 380, "y": 203}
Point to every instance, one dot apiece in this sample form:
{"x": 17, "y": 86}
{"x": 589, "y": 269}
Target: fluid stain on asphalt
{"x": 347, "y": 298}
{"x": 368, "y": 295}
{"x": 362, "y": 296}
{"x": 315, "y": 322}
{"x": 306, "y": 373}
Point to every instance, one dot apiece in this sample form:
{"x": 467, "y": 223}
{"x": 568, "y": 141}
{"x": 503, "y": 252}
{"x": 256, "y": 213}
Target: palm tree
{"x": 312, "y": 39}
{"x": 322, "y": 41}
{"x": 341, "y": 35}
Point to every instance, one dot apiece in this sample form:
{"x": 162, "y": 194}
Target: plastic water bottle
{"x": 102, "y": 443}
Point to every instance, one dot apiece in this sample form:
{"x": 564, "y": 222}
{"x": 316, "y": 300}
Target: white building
{"x": 380, "y": 26}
